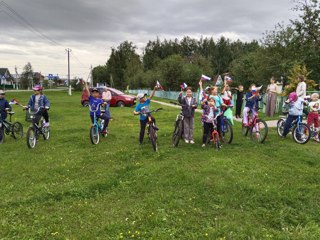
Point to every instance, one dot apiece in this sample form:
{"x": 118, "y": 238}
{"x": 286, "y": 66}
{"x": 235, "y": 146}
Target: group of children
{"x": 38, "y": 103}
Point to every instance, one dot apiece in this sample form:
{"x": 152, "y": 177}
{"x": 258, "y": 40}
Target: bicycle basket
{"x": 29, "y": 116}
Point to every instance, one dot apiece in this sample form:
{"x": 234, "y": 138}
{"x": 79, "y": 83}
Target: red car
{"x": 119, "y": 99}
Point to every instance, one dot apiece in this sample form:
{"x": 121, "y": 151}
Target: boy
{"x": 94, "y": 102}
{"x": 4, "y": 105}
{"x": 141, "y": 109}
{"x": 252, "y": 103}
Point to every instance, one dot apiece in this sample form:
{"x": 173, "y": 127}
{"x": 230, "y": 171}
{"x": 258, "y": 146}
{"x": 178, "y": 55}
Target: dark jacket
{"x": 252, "y": 103}
{"x": 187, "y": 110}
{"x": 3, "y": 105}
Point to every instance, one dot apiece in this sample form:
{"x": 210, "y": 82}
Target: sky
{"x": 40, "y": 31}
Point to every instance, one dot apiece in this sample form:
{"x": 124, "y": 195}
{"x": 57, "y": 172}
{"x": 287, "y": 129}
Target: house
{"x": 6, "y": 79}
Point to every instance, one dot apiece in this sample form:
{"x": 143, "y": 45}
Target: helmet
{"x": 293, "y": 97}
{"x": 37, "y": 88}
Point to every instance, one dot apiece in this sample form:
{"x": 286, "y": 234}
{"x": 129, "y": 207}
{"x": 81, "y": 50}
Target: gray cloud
{"x": 91, "y": 28}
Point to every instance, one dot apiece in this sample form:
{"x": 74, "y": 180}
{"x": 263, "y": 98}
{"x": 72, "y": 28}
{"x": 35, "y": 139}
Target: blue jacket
{"x": 42, "y": 103}
{"x": 252, "y": 103}
{"x": 3, "y": 105}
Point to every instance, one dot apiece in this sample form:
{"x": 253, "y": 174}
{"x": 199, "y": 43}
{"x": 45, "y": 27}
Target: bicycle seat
{"x": 10, "y": 113}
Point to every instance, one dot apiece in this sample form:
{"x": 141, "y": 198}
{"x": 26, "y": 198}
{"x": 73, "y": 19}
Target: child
{"x": 189, "y": 104}
{"x": 239, "y": 101}
{"x": 141, "y": 109}
{"x": 218, "y": 103}
{"x": 39, "y": 103}
{"x": 4, "y": 105}
{"x": 106, "y": 97}
{"x": 94, "y": 102}
{"x": 252, "y": 103}
{"x": 295, "y": 110}
{"x": 209, "y": 113}
{"x": 313, "y": 116}
{"x": 227, "y": 100}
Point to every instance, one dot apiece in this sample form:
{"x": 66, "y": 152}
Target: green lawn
{"x": 67, "y": 188}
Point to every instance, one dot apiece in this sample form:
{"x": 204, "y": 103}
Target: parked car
{"x": 119, "y": 99}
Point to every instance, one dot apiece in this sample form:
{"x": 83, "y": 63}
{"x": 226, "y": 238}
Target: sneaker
{"x": 191, "y": 141}
{"x": 203, "y": 145}
{"x": 46, "y": 124}
{"x": 317, "y": 139}
{"x": 156, "y": 128}
{"x": 186, "y": 141}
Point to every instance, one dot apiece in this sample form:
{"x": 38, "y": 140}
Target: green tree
{"x": 27, "y": 76}
{"x": 100, "y": 75}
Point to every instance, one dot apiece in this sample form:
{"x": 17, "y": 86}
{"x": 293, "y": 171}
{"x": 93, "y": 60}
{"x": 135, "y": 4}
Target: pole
{"x": 91, "y": 79}
{"x": 69, "y": 83}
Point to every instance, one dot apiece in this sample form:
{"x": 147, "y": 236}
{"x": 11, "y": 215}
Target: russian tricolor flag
{"x": 183, "y": 86}
{"x": 205, "y": 78}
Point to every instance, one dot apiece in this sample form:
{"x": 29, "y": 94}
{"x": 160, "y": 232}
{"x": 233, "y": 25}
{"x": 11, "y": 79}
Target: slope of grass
{"x": 67, "y": 188}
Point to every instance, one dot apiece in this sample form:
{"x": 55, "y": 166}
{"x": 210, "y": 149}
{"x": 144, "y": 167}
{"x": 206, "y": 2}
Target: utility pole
{"x": 91, "y": 79}
{"x": 69, "y": 82}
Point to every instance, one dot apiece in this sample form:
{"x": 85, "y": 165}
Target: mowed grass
{"x": 67, "y": 188}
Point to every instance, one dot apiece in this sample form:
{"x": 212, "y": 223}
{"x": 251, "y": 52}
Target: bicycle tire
{"x": 262, "y": 133}
{"x": 217, "y": 141}
{"x": 177, "y": 132}
{"x": 153, "y": 138}
{"x": 2, "y": 135}
{"x": 280, "y": 126}
{"x": 31, "y": 137}
{"x": 227, "y": 132}
{"x": 298, "y": 137}
{"x": 94, "y": 135}
{"x": 17, "y": 130}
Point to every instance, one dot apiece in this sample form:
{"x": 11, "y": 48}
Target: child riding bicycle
{"x": 209, "y": 113}
{"x": 4, "y": 105}
{"x": 39, "y": 103}
{"x": 95, "y": 102}
{"x": 295, "y": 110}
{"x": 141, "y": 109}
{"x": 252, "y": 103}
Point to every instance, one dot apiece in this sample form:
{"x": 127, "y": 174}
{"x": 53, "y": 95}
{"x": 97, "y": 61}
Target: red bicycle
{"x": 257, "y": 127}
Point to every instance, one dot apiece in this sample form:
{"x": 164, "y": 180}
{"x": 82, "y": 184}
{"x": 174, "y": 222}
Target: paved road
{"x": 271, "y": 123}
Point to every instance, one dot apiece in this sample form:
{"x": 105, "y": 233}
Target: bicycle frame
{"x": 34, "y": 124}
{"x": 98, "y": 125}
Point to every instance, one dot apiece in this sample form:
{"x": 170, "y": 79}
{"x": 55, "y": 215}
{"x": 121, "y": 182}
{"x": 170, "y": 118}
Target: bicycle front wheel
{"x": 17, "y": 130}
{"x": 94, "y": 135}
{"x": 31, "y": 137}
{"x": 227, "y": 132}
{"x": 1, "y": 135}
{"x": 153, "y": 138}
{"x": 259, "y": 131}
{"x": 280, "y": 126}
{"x": 177, "y": 133}
{"x": 301, "y": 133}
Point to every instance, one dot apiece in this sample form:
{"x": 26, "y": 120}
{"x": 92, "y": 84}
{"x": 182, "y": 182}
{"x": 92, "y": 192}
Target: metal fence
{"x": 174, "y": 96}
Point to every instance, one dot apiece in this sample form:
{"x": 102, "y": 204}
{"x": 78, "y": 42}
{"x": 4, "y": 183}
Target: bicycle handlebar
{"x": 156, "y": 110}
{"x": 97, "y": 107}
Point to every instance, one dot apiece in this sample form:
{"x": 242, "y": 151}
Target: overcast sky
{"x": 91, "y": 27}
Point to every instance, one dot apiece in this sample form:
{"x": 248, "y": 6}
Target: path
{"x": 271, "y": 123}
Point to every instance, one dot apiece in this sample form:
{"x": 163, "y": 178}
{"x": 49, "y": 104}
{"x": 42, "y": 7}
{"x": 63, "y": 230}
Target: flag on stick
{"x": 219, "y": 81}
{"x": 183, "y": 86}
{"x": 205, "y": 78}
{"x": 159, "y": 86}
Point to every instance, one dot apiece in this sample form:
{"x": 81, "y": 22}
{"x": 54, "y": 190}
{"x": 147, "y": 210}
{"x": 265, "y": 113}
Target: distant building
{"x": 6, "y": 79}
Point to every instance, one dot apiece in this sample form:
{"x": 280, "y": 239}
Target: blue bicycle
{"x": 97, "y": 126}
{"x": 300, "y": 131}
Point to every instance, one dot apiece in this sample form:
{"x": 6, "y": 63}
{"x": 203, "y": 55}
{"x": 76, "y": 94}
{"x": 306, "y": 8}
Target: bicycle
{"x": 300, "y": 131}
{"x": 36, "y": 129}
{"x": 151, "y": 127}
{"x": 257, "y": 127}
{"x": 214, "y": 136}
{"x": 226, "y": 129}
{"x": 7, "y": 127}
{"x": 97, "y": 126}
{"x": 178, "y": 128}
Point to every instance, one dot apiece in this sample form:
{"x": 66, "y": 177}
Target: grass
{"x": 67, "y": 188}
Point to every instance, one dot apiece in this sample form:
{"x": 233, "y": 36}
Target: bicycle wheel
{"x": 31, "y": 138}
{"x": 2, "y": 135}
{"x": 301, "y": 133}
{"x": 17, "y": 130}
{"x": 280, "y": 126}
{"x": 153, "y": 138}
{"x": 177, "y": 133}
{"x": 244, "y": 130}
{"x": 94, "y": 135}
{"x": 217, "y": 141}
{"x": 46, "y": 133}
{"x": 227, "y": 132}
{"x": 259, "y": 132}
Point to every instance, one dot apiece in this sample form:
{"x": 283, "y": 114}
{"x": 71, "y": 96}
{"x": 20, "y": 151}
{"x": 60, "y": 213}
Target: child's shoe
{"x": 203, "y": 145}
{"x": 46, "y": 124}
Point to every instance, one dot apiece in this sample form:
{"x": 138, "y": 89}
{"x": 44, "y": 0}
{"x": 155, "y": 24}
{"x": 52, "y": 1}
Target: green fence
{"x": 174, "y": 96}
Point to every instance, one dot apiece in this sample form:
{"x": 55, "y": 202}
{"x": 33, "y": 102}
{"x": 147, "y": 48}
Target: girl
{"x": 189, "y": 104}
{"x": 218, "y": 103}
{"x": 313, "y": 116}
{"x": 209, "y": 113}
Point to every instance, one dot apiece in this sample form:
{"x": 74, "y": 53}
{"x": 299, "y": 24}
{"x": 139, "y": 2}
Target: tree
{"x": 100, "y": 74}
{"x": 27, "y": 76}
